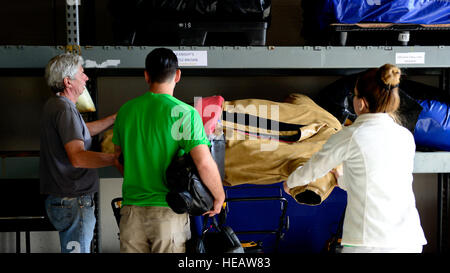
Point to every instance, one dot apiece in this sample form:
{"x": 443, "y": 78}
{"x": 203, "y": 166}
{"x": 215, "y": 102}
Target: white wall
{"x": 109, "y": 189}
{"x": 425, "y": 189}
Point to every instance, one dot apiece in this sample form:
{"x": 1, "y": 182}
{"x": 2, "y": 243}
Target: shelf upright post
{"x": 72, "y": 22}
{"x": 73, "y": 46}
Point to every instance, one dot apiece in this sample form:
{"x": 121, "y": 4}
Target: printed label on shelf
{"x": 107, "y": 63}
{"x": 73, "y": 2}
{"x": 410, "y": 58}
{"x": 192, "y": 58}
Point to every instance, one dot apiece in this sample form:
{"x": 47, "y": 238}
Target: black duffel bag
{"x": 187, "y": 193}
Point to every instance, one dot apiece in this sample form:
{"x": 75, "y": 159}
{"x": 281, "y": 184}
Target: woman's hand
{"x": 338, "y": 172}
{"x": 286, "y": 188}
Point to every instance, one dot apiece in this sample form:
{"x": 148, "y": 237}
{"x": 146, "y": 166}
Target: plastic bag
{"x": 433, "y": 128}
{"x": 390, "y": 11}
{"x": 84, "y": 103}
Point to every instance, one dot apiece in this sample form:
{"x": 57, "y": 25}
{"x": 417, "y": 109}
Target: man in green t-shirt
{"x": 149, "y": 131}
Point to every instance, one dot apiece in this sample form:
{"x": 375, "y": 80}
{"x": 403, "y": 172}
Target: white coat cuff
{"x": 294, "y": 179}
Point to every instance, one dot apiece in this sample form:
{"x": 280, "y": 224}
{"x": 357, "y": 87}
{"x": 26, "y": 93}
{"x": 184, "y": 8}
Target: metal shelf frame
{"x": 16, "y": 60}
{"x": 25, "y": 60}
{"x": 251, "y": 57}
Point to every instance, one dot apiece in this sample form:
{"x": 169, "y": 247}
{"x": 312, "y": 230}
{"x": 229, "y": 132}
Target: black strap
{"x": 263, "y": 123}
{"x": 216, "y": 224}
{"x": 289, "y": 138}
{"x": 205, "y": 223}
{"x": 260, "y": 122}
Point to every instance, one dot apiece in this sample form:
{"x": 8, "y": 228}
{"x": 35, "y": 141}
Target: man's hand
{"x": 118, "y": 165}
{"x": 80, "y": 158}
{"x": 98, "y": 126}
{"x": 216, "y": 208}
{"x": 118, "y": 156}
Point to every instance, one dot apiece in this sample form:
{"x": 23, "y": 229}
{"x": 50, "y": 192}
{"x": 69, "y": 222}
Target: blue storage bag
{"x": 389, "y": 11}
{"x": 432, "y": 128}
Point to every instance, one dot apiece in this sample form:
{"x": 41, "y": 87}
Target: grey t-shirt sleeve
{"x": 69, "y": 126}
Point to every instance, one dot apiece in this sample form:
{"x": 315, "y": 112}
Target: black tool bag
{"x": 216, "y": 239}
{"x": 186, "y": 190}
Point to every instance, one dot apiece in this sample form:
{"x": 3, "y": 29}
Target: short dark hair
{"x": 161, "y": 64}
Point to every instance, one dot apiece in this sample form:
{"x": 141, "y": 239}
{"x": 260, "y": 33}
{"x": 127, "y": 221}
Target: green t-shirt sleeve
{"x": 193, "y": 131}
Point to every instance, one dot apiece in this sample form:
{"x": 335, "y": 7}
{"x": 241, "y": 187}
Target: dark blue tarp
{"x": 388, "y": 11}
{"x": 310, "y": 227}
{"x": 433, "y": 126}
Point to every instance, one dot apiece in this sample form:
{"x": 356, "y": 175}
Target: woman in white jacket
{"x": 377, "y": 156}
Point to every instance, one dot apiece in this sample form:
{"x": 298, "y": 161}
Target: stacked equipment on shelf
{"x": 377, "y": 22}
{"x": 190, "y": 22}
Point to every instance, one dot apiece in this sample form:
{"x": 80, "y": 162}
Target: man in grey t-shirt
{"x": 62, "y": 123}
{"x": 67, "y": 167}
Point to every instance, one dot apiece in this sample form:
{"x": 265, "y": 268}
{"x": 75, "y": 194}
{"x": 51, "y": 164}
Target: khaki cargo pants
{"x": 153, "y": 230}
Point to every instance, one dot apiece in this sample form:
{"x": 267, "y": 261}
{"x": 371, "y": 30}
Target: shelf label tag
{"x": 94, "y": 64}
{"x": 192, "y": 58}
{"x": 410, "y": 58}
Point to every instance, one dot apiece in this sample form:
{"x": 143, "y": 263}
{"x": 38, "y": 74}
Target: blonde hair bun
{"x": 390, "y": 74}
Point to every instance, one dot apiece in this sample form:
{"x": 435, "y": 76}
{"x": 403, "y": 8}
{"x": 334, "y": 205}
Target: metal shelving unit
{"x": 251, "y": 57}
{"x": 120, "y": 60}
{"x": 17, "y": 59}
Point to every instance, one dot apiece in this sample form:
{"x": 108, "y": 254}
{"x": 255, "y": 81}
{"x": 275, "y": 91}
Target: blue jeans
{"x": 74, "y": 219}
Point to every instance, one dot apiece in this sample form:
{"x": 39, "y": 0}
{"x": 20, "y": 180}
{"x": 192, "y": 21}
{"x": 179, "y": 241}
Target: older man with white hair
{"x": 67, "y": 167}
